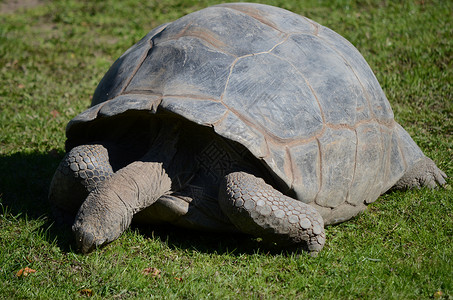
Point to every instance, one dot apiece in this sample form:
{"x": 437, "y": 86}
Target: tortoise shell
{"x": 296, "y": 94}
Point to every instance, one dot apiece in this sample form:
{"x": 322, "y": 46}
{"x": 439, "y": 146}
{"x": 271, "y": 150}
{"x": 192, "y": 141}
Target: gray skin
{"x": 239, "y": 117}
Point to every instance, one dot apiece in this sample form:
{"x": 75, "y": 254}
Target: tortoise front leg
{"x": 81, "y": 171}
{"x": 256, "y": 208}
{"x": 108, "y": 209}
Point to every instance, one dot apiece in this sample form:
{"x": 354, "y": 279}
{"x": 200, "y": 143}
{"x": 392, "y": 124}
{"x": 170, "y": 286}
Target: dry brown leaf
{"x": 153, "y": 272}
{"x": 25, "y": 272}
{"x": 86, "y": 292}
{"x": 179, "y": 279}
{"x": 438, "y": 295}
{"x": 54, "y": 113}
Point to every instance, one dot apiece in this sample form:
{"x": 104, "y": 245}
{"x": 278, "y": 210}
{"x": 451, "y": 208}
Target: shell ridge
{"x": 386, "y": 157}
{"x": 164, "y": 95}
{"x": 254, "y": 16}
{"x": 377, "y": 175}
{"x": 142, "y": 59}
{"x": 228, "y": 80}
{"x": 402, "y": 152}
{"x": 320, "y": 172}
{"x": 291, "y": 167}
{"x": 354, "y": 169}
{"x": 315, "y": 25}
{"x": 221, "y": 119}
{"x": 251, "y": 123}
{"x": 247, "y": 55}
{"x": 299, "y": 141}
{"x": 90, "y": 114}
{"x": 381, "y": 146}
{"x": 245, "y": 119}
{"x": 365, "y": 92}
{"x": 201, "y": 38}
{"x": 388, "y": 162}
{"x": 309, "y": 86}
{"x": 377, "y": 182}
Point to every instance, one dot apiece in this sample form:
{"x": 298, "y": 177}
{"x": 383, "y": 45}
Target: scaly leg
{"x": 256, "y": 208}
{"x": 422, "y": 173}
{"x": 108, "y": 209}
{"x": 81, "y": 171}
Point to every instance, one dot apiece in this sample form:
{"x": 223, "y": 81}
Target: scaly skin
{"x": 256, "y": 208}
{"x": 81, "y": 171}
{"x": 423, "y": 173}
{"x": 108, "y": 210}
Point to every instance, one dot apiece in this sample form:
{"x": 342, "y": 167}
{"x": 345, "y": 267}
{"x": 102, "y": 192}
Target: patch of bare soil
{"x": 10, "y": 6}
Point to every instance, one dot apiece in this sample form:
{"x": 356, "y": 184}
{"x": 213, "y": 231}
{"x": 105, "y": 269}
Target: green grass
{"x": 53, "y": 55}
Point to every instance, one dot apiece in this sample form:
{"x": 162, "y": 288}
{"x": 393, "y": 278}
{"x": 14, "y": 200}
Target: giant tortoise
{"x": 236, "y": 118}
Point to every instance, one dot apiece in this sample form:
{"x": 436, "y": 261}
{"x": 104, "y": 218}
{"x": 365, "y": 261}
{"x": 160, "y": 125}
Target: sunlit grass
{"x": 53, "y": 56}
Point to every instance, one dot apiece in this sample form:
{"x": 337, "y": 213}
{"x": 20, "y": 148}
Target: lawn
{"x": 53, "y": 54}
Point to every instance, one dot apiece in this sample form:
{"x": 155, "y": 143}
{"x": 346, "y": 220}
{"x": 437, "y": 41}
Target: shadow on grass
{"x": 24, "y": 183}
{"x": 25, "y": 180}
{"x": 211, "y": 242}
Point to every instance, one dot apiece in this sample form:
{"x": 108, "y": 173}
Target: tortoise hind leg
{"x": 256, "y": 208}
{"x": 80, "y": 172}
{"x": 420, "y": 170}
{"x": 422, "y": 173}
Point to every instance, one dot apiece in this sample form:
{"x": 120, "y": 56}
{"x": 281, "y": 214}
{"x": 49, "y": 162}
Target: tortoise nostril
{"x": 85, "y": 241}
